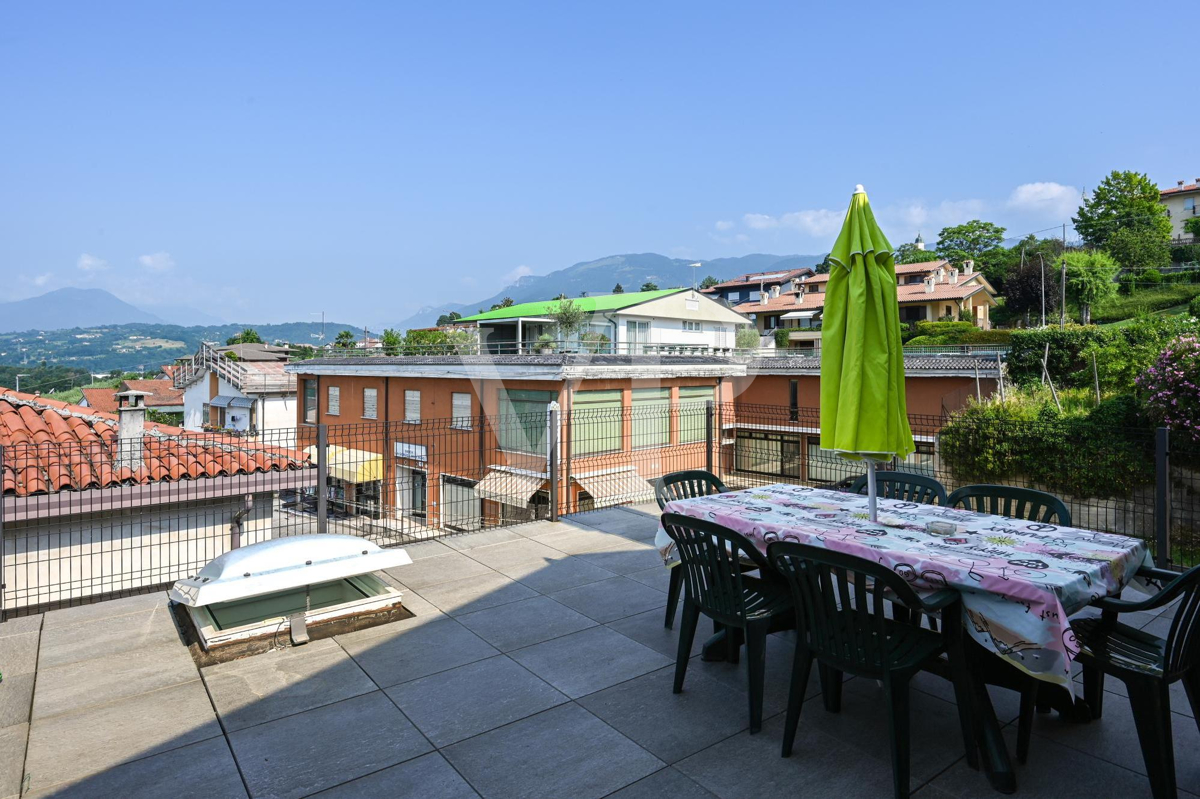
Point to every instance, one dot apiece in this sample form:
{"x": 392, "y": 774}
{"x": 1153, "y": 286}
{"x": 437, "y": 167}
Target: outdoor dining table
{"x": 1020, "y": 580}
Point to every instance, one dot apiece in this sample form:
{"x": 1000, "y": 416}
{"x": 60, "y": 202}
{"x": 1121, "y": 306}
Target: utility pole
{"x": 1062, "y": 297}
{"x": 1043, "y": 262}
{"x": 19, "y": 381}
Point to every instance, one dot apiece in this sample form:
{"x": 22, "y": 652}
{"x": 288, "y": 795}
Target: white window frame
{"x": 735, "y": 296}
{"x": 460, "y": 420}
{"x": 411, "y": 394}
{"x": 333, "y": 403}
{"x": 691, "y": 326}
{"x": 374, "y": 393}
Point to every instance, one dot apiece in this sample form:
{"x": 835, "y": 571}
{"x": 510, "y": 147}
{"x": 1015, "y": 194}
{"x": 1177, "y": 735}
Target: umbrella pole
{"x": 872, "y": 496}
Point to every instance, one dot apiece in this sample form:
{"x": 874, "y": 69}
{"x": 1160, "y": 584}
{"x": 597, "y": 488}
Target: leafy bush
{"x": 1152, "y": 276}
{"x": 1134, "y": 348}
{"x": 944, "y": 328}
{"x": 781, "y": 338}
{"x": 1186, "y": 253}
{"x": 1069, "y": 362}
{"x": 746, "y": 338}
{"x": 1120, "y": 308}
{"x": 1172, "y": 387}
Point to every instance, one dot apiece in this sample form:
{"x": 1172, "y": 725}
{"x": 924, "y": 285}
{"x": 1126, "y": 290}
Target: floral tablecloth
{"x": 1020, "y": 580}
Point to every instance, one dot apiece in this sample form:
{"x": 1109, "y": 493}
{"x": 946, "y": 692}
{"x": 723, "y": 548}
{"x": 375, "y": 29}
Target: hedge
{"x": 1127, "y": 306}
{"x": 1069, "y": 363}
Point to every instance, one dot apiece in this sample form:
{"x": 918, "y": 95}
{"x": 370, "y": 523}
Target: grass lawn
{"x": 1167, "y": 300}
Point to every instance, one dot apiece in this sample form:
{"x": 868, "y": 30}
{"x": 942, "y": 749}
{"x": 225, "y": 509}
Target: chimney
{"x": 131, "y": 427}
{"x": 774, "y": 291}
{"x": 763, "y": 298}
{"x": 939, "y": 275}
{"x": 954, "y": 277}
{"x": 1179, "y": 183}
{"x": 968, "y": 267}
{"x": 929, "y": 281}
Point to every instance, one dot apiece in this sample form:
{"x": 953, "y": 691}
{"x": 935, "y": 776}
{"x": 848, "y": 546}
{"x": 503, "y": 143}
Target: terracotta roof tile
{"x": 754, "y": 278}
{"x": 162, "y": 395}
{"x": 913, "y": 292}
{"x": 1180, "y": 189}
{"x": 52, "y": 446}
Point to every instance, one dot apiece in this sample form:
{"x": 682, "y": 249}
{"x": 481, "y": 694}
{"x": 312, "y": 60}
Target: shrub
{"x": 1117, "y": 309}
{"x": 944, "y": 328}
{"x": 1194, "y": 307}
{"x": 1186, "y": 253}
{"x": 1151, "y": 276}
{"x": 1133, "y": 349}
{"x": 746, "y": 338}
{"x": 1068, "y": 363}
{"x": 1172, "y": 387}
{"x": 781, "y": 338}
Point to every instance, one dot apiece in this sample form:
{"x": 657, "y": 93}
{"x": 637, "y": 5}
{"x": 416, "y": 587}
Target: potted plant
{"x": 545, "y": 344}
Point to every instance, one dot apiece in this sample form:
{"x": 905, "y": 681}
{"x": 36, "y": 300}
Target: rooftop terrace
{"x": 536, "y": 665}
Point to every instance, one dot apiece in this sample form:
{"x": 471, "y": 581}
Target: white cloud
{"x": 1049, "y": 198}
{"x": 724, "y": 224}
{"x": 816, "y": 222}
{"x": 42, "y": 279}
{"x": 760, "y": 221}
{"x": 516, "y": 274}
{"x": 91, "y": 263}
{"x": 157, "y": 261}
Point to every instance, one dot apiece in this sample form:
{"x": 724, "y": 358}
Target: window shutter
{"x": 412, "y": 405}
{"x": 460, "y": 409}
{"x": 335, "y": 401}
{"x": 370, "y": 403}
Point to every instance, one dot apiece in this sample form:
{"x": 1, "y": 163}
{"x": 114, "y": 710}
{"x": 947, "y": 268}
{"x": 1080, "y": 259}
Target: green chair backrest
{"x": 685, "y": 485}
{"x": 1015, "y": 503}
{"x": 904, "y": 486}
{"x": 711, "y": 557}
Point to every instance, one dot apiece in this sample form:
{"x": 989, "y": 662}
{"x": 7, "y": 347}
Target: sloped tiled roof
{"x": 162, "y": 394}
{"x": 52, "y": 446}
{"x": 754, "y": 278}
{"x": 1181, "y": 189}
{"x": 908, "y": 293}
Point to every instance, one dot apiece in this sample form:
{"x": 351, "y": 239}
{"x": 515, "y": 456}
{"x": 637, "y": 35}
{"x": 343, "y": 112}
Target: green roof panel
{"x": 603, "y": 302}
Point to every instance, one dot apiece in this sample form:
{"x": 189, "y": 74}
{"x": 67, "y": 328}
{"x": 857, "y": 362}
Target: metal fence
{"x": 88, "y": 521}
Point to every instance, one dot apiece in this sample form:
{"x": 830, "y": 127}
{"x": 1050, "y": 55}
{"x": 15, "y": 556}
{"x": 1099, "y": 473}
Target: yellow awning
{"x": 351, "y": 465}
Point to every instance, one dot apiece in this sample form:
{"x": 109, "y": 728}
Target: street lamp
{"x": 694, "y": 266}
{"x": 19, "y": 380}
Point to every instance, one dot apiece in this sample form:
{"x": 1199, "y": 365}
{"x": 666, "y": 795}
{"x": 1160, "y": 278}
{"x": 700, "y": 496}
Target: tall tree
{"x": 392, "y": 340}
{"x": 568, "y": 317}
{"x": 448, "y": 318}
{"x": 248, "y": 335}
{"x": 909, "y": 254}
{"x": 649, "y": 286}
{"x": 823, "y": 267}
{"x": 344, "y": 340}
{"x": 507, "y": 302}
{"x": 968, "y": 241}
{"x": 1090, "y": 276}
{"x": 1024, "y": 289}
{"x": 708, "y": 282}
{"x": 1139, "y": 249}
{"x": 618, "y": 289}
{"x": 1122, "y": 201}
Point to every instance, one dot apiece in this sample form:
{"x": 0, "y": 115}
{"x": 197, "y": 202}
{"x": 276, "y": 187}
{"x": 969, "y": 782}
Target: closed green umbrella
{"x": 863, "y": 412}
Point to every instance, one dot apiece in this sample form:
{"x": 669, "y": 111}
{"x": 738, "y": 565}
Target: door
{"x": 418, "y": 492}
{"x": 461, "y": 507}
{"x": 638, "y": 335}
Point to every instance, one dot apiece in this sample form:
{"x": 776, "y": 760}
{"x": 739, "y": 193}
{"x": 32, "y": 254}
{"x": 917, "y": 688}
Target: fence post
{"x": 708, "y": 436}
{"x": 322, "y": 477}
{"x": 552, "y": 458}
{"x": 1162, "y": 497}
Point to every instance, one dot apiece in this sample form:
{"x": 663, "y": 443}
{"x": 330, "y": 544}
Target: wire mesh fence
{"x": 107, "y": 517}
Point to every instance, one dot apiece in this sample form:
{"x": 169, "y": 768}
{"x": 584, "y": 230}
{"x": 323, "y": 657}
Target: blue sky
{"x": 262, "y": 161}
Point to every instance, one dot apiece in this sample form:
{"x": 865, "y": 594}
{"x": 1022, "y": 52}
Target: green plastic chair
{"x": 904, "y": 486}
{"x": 711, "y": 563}
{"x": 682, "y": 485}
{"x": 1015, "y": 503}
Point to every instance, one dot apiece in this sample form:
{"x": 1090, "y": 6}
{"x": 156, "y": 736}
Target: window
{"x": 596, "y": 422}
{"x": 735, "y": 296}
{"x": 794, "y": 399}
{"x": 370, "y": 403}
{"x": 689, "y": 325}
{"x": 912, "y": 313}
{"x": 651, "y": 417}
{"x": 460, "y": 409}
{"x": 522, "y": 420}
{"x": 412, "y": 406}
{"x": 770, "y": 322}
{"x": 310, "y": 401}
{"x": 693, "y": 407}
{"x": 1189, "y": 205}
{"x": 333, "y": 406}
{"x": 755, "y": 295}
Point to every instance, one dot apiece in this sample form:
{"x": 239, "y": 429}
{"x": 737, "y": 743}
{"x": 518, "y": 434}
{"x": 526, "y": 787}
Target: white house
{"x": 242, "y": 388}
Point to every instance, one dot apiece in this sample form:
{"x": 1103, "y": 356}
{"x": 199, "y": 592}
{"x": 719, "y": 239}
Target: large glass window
{"x": 693, "y": 406}
{"x": 522, "y": 422}
{"x": 596, "y": 419}
{"x": 651, "y": 417}
{"x": 310, "y": 401}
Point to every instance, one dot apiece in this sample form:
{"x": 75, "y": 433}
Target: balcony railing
{"x": 633, "y": 349}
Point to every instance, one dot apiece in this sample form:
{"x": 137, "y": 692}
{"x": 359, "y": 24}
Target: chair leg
{"x": 962, "y": 677}
{"x": 687, "y": 634}
{"x": 673, "y": 589}
{"x": 801, "y": 669}
{"x": 1025, "y": 720}
{"x": 831, "y": 687}
{"x": 756, "y": 667}
{"x": 1093, "y": 690}
{"x": 896, "y": 692}
{"x": 1150, "y": 701}
{"x": 1191, "y": 683}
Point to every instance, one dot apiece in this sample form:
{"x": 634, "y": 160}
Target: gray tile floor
{"x": 536, "y": 666}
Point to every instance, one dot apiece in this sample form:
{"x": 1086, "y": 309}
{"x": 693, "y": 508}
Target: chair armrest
{"x": 1173, "y": 583}
{"x": 947, "y": 596}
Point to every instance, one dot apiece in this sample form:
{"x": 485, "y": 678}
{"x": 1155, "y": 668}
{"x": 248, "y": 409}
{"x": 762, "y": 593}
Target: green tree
{"x": 1024, "y": 289}
{"x": 569, "y": 318}
{"x": 1090, "y": 276}
{"x": 823, "y": 267}
{"x": 344, "y": 340}
{"x": 649, "y": 286}
{"x": 507, "y": 302}
{"x": 1192, "y": 226}
{"x": 618, "y": 289}
{"x": 1139, "y": 249}
{"x": 248, "y": 336}
{"x": 968, "y": 241}
{"x": 392, "y": 341}
{"x": 909, "y": 254}
{"x": 1122, "y": 201}
{"x": 448, "y": 318}
{"x": 708, "y": 282}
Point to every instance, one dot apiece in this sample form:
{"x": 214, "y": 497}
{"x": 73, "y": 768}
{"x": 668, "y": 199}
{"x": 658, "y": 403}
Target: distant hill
{"x": 70, "y": 307}
{"x": 599, "y": 277}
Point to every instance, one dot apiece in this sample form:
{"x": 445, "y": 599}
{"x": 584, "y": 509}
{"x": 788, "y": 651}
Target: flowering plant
{"x": 1171, "y": 387}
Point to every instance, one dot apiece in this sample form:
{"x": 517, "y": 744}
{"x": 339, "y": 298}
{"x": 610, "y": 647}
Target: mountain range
{"x": 601, "y": 275}
{"x": 70, "y": 307}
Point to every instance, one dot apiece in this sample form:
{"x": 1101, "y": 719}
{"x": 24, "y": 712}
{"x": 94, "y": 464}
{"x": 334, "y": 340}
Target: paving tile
{"x": 545, "y": 527}
{"x": 620, "y": 521}
{"x": 778, "y": 678}
{"x": 199, "y": 771}
{"x": 1053, "y": 771}
{"x": 647, "y": 629}
{"x": 749, "y": 765}
{"x": 626, "y": 557}
{"x": 656, "y": 576}
{"x": 611, "y": 599}
{"x": 108, "y": 635}
{"x": 95, "y": 611}
{"x": 320, "y": 748}
{"x": 512, "y": 553}
{"x": 16, "y": 697}
{"x": 416, "y": 651}
{"x": 1179, "y": 698}
{"x": 524, "y": 623}
{"x": 575, "y": 541}
{"x": 69, "y": 746}
{"x": 556, "y": 575}
{"x": 84, "y": 683}
{"x": 19, "y": 654}
{"x": 12, "y": 758}
{"x": 427, "y": 549}
{"x": 21, "y": 625}
{"x": 476, "y": 593}
{"x": 665, "y": 782}
{"x": 437, "y": 569}
{"x": 427, "y": 777}
{"x": 672, "y": 726}
{"x": 452, "y": 705}
{"x": 276, "y": 684}
{"x": 562, "y": 752}
{"x": 589, "y": 661}
{"x": 496, "y": 535}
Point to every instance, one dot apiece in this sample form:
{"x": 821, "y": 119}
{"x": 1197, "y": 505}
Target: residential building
{"x": 926, "y": 292}
{"x": 1181, "y": 204}
{"x": 640, "y": 322}
{"x": 240, "y": 388}
{"x": 84, "y": 490}
{"x": 751, "y": 286}
{"x": 161, "y": 396}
